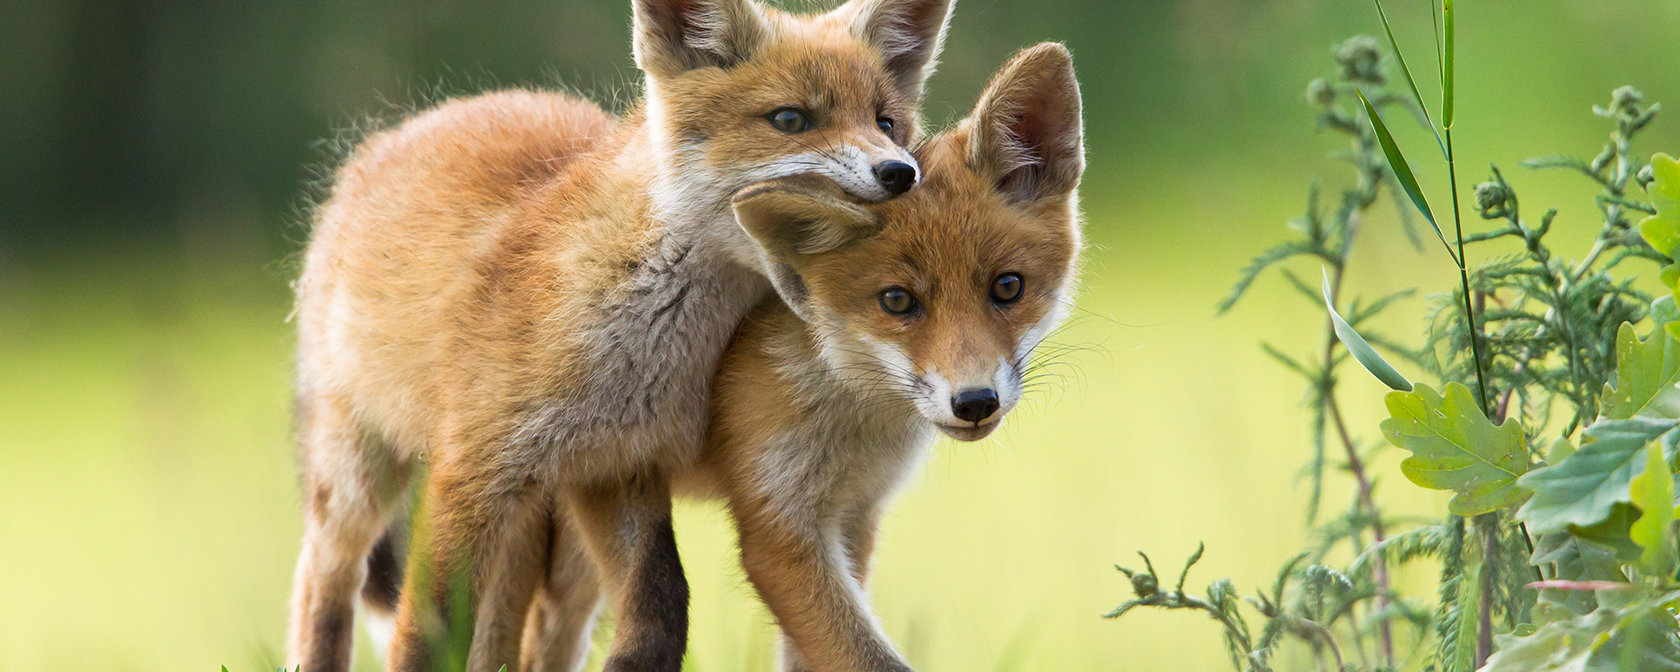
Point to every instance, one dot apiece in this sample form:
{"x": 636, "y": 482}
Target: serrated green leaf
{"x": 1395, "y": 44}
{"x": 1554, "y": 647}
{"x": 1636, "y": 638}
{"x": 1574, "y": 559}
{"x": 1581, "y": 489}
{"x": 1643, "y": 642}
{"x": 1402, "y": 170}
{"x": 1662, "y": 233}
{"x": 1560, "y": 646}
{"x": 1455, "y": 447}
{"x": 1561, "y": 448}
{"x": 1447, "y": 67}
{"x": 1665, "y": 191}
{"x": 1653, "y": 492}
{"x": 1361, "y": 350}
{"x": 1662, "y": 230}
{"x": 1646, "y": 376}
{"x": 1663, "y": 312}
{"x": 1613, "y": 534}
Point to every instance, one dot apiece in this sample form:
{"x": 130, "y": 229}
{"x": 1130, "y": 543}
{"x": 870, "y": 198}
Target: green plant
{"x": 1557, "y": 429}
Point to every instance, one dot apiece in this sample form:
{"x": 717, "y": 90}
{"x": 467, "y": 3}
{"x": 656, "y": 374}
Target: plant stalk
{"x": 1464, "y": 281}
{"x": 1484, "y": 607}
{"x": 1379, "y": 570}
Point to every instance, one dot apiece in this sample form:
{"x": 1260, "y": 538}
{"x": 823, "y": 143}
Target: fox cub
{"x": 896, "y": 321}
{"x": 532, "y": 296}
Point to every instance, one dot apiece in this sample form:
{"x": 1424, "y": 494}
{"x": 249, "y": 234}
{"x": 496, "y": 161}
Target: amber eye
{"x": 886, "y": 126}
{"x": 897, "y": 301}
{"x": 790, "y": 120}
{"x": 1007, "y": 288}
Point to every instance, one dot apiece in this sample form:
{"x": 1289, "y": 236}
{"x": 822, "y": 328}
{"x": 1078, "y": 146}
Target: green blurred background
{"x": 155, "y": 159}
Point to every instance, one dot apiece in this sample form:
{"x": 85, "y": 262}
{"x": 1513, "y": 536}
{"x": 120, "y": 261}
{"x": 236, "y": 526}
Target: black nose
{"x": 974, "y": 405}
{"x": 896, "y": 177}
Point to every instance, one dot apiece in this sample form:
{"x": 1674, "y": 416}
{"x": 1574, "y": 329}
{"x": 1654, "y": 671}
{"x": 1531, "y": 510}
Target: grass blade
{"x": 1407, "y": 71}
{"x": 1361, "y": 350}
{"x": 1447, "y": 67}
{"x": 1435, "y": 32}
{"x": 1403, "y": 171}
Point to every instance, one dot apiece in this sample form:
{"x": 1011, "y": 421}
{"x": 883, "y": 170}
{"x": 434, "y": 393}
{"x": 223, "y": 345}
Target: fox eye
{"x": 898, "y": 301}
{"x": 789, "y": 120}
{"x": 1007, "y": 288}
{"x": 886, "y": 126}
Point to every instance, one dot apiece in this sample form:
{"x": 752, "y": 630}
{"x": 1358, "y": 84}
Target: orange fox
{"x": 532, "y": 297}
{"x": 894, "y": 320}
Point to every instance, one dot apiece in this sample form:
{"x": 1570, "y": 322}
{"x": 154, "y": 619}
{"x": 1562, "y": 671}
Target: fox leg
{"x": 804, "y": 574}
{"x": 858, "y": 534}
{"x": 557, "y": 631}
{"x": 477, "y": 558}
{"x": 383, "y": 587}
{"x": 349, "y": 481}
{"x": 627, "y": 529}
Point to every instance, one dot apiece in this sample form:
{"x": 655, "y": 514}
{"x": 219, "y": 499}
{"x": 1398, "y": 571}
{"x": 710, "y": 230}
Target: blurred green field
{"x": 148, "y": 497}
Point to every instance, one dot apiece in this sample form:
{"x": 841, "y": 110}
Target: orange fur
{"x": 825, "y": 403}
{"x": 532, "y": 296}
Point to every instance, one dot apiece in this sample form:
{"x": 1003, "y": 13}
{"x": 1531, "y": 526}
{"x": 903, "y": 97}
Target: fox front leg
{"x": 858, "y": 534}
{"x": 805, "y": 575}
{"x": 627, "y": 529}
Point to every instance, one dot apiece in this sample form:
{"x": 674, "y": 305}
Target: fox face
{"x": 740, "y": 93}
{"x": 940, "y": 296}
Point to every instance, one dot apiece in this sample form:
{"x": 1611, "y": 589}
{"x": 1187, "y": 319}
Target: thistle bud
{"x": 1319, "y": 92}
{"x": 1627, "y": 99}
{"x": 1361, "y": 60}
{"x": 1626, "y": 104}
{"x": 1493, "y": 199}
{"x": 1144, "y": 584}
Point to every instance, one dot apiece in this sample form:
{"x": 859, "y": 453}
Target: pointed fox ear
{"x": 801, "y": 215}
{"x": 1026, "y": 132}
{"x": 675, "y": 36}
{"x": 909, "y": 34}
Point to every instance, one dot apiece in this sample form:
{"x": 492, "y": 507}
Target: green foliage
{"x": 1662, "y": 230}
{"x": 1646, "y": 374}
{"x": 1403, "y": 171}
{"x": 1581, "y": 490}
{"x": 1360, "y": 349}
{"x": 1639, "y": 637}
{"x": 1447, "y": 67}
{"x": 1653, "y": 492}
{"x": 1573, "y": 558}
{"x": 1455, "y": 447}
{"x": 1410, "y": 82}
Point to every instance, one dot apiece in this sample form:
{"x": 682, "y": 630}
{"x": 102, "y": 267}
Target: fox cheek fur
{"x": 853, "y": 124}
{"x": 1002, "y": 189}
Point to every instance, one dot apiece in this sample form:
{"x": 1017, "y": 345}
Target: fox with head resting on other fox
{"x": 532, "y": 297}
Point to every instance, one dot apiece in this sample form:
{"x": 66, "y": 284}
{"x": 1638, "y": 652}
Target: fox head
{"x": 943, "y": 293}
{"x": 738, "y": 93}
